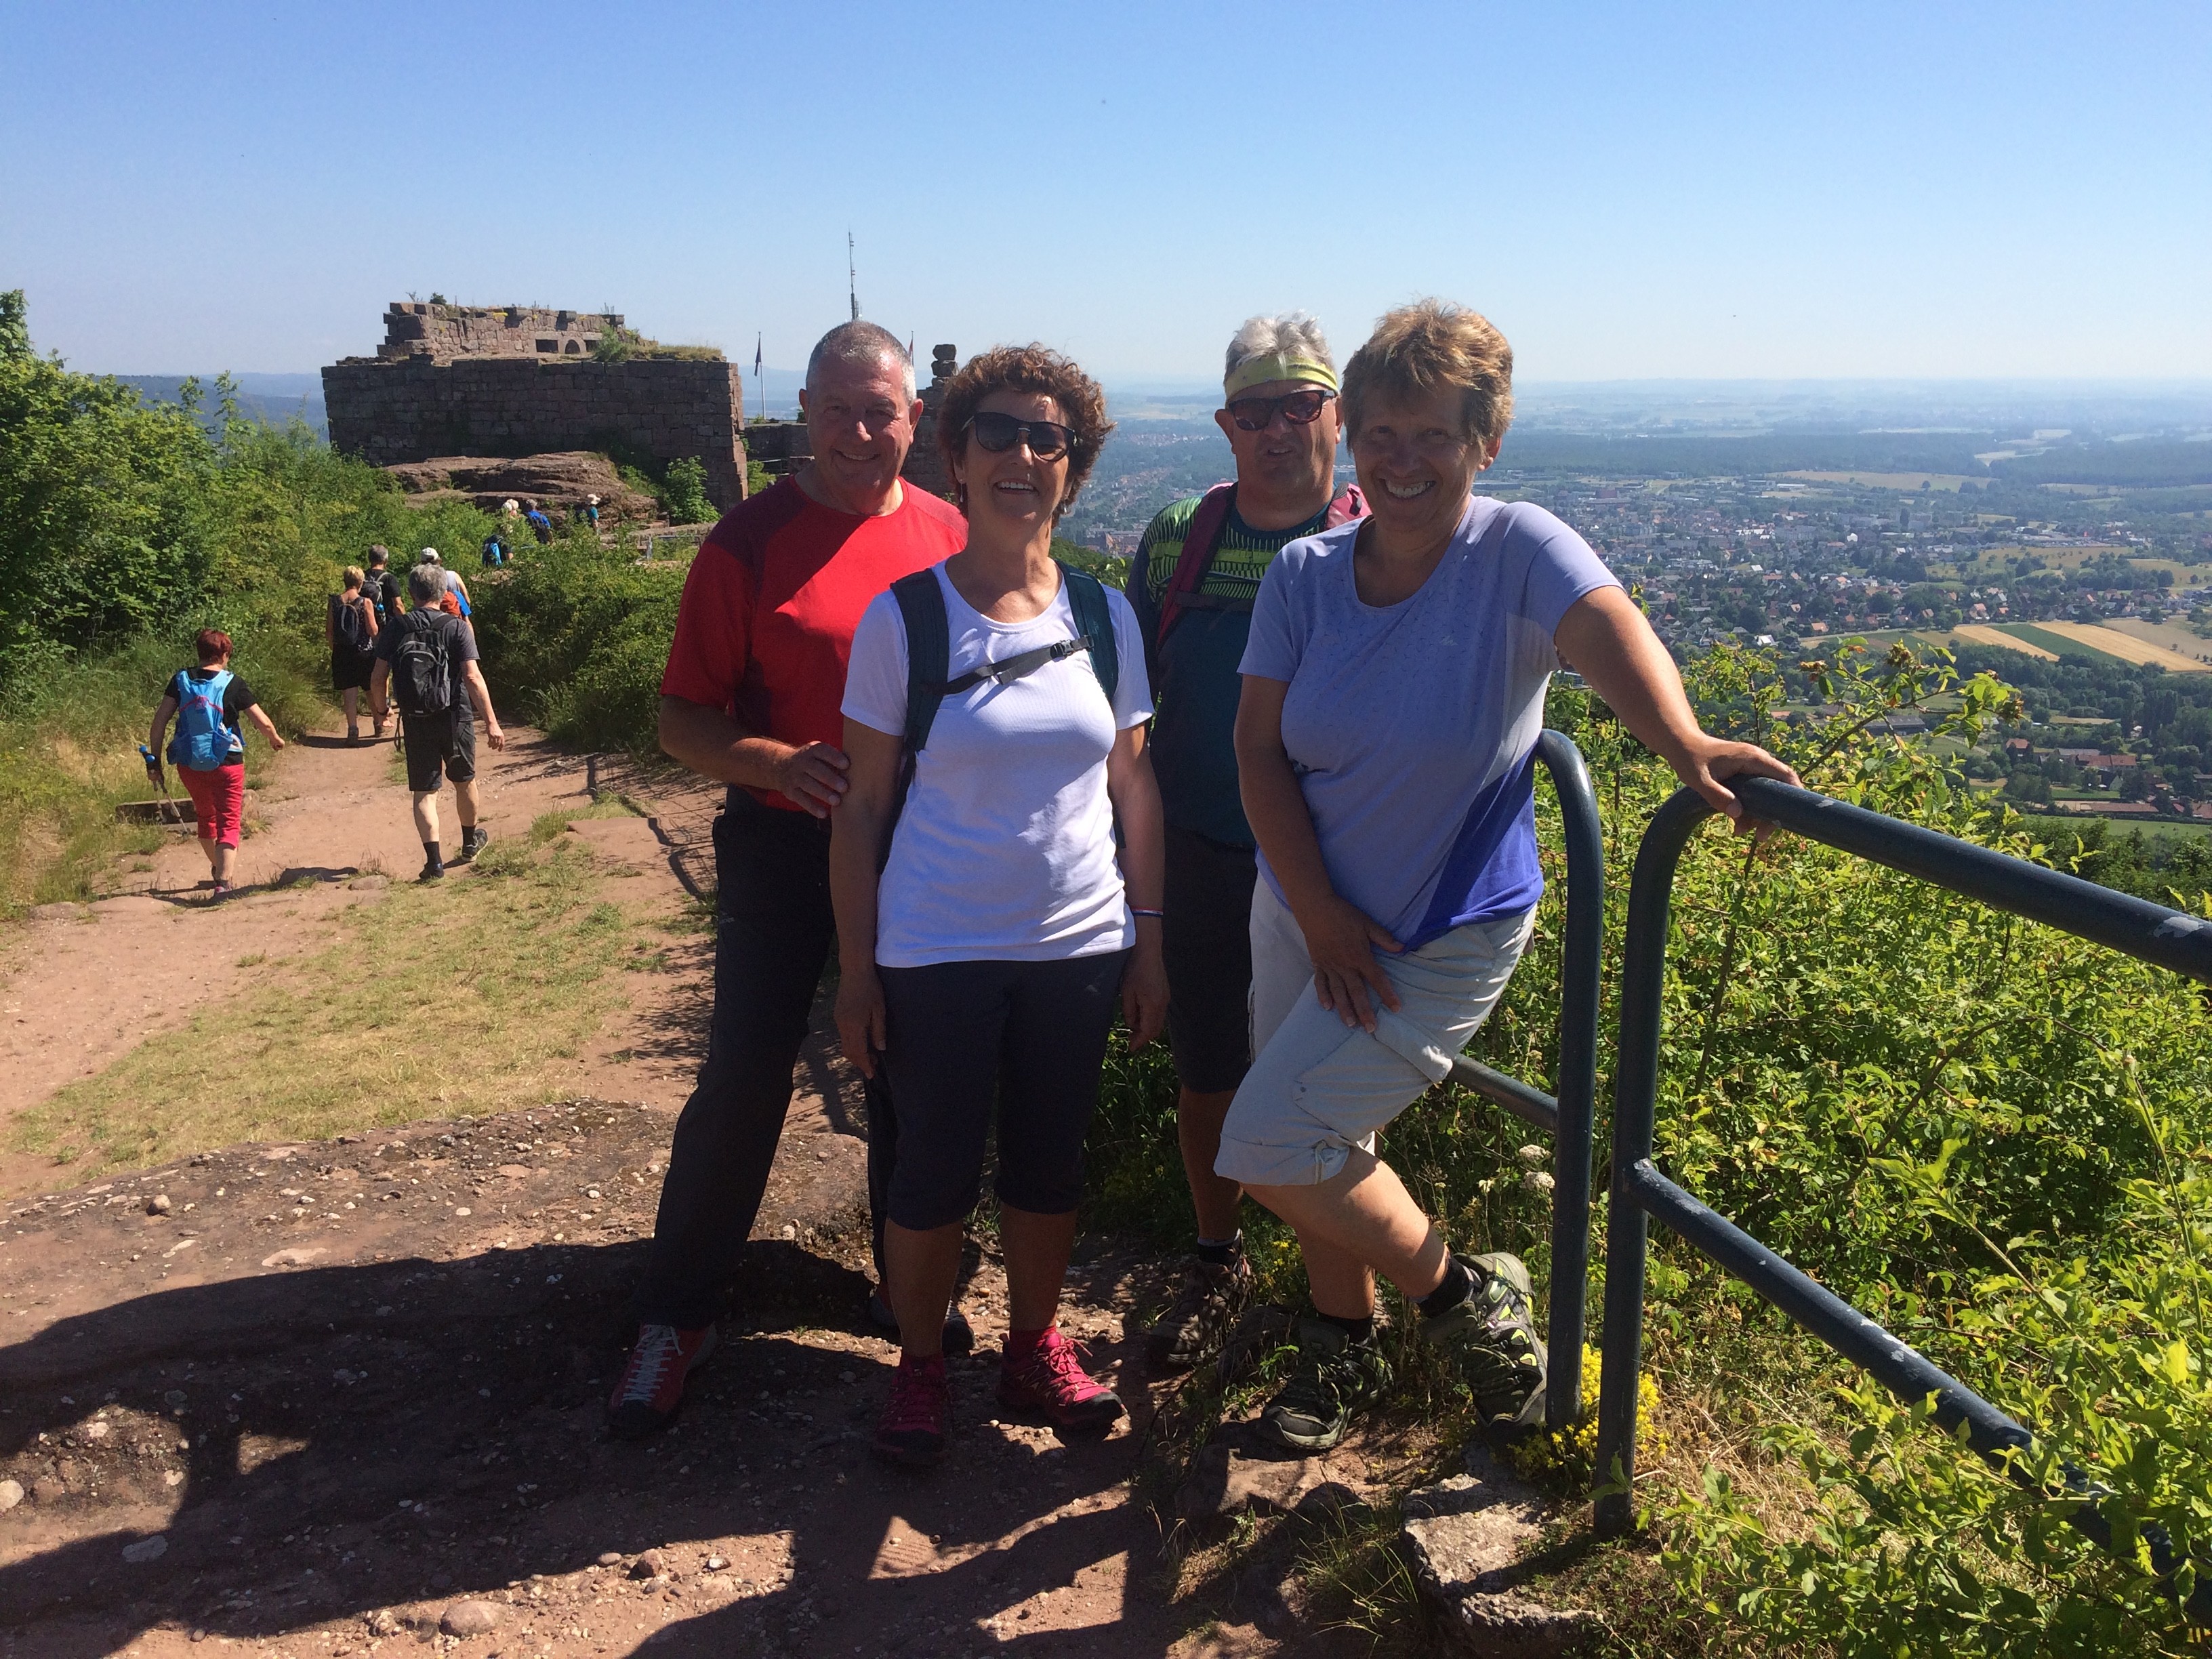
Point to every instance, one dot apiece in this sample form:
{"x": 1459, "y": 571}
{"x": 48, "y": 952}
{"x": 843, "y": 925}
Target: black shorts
{"x": 1027, "y": 1037}
{"x": 350, "y": 669}
{"x": 439, "y": 743}
{"x": 1206, "y": 939}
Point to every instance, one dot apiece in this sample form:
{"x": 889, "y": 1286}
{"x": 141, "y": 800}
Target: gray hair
{"x": 862, "y": 345}
{"x": 425, "y": 583}
{"x": 1293, "y": 334}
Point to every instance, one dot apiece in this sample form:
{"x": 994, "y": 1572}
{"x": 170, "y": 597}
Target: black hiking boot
{"x": 1197, "y": 1323}
{"x": 473, "y": 842}
{"x": 1333, "y": 1379}
{"x": 1493, "y": 1340}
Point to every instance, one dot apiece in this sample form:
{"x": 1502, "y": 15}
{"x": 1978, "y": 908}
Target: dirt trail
{"x": 334, "y": 1398}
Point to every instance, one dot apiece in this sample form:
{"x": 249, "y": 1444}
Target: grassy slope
{"x": 473, "y": 992}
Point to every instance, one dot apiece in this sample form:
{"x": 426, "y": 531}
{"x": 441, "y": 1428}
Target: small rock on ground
{"x": 147, "y": 1549}
{"x": 11, "y": 1493}
{"x": 470, "y": 1618}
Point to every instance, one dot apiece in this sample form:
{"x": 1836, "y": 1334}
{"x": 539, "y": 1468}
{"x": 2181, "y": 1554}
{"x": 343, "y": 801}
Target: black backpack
{"x": 929, "y": 654}
{"x": 352, "y": 626}
{"x": 423, "y": 662}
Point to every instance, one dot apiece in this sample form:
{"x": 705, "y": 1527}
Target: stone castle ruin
{"x": 511, "y": 381}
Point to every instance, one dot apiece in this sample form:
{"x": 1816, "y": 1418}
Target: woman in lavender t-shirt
{"x": 1394, "y": 689}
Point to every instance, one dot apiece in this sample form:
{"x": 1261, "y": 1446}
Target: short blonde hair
{"x": 1430, "y": 344}
{"x": 354, "y": 576}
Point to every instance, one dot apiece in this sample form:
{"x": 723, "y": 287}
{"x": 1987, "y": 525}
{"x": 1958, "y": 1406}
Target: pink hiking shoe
{"x": 912, "y": 1428}
{"x": 1046, "y": 1375}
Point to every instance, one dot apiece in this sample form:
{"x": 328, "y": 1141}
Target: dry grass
{"x": 1979, "y": 634}
{"x": 467, "y": 997}
{"x": 2126, "y": 647}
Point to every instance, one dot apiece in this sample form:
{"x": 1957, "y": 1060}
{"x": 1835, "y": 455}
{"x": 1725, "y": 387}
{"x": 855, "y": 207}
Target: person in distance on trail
{"x": 383, "y": 589}
{"x": 350, "y": 629}
{"x": 207, "y": 703}
{"x": 1196, "y": 572}
{"x": 450, "y": 585}
{"x": 425, "y": 663}
{"x": 995, "y": 712}
{"x": 1394, "y": 689}
{"x": 756, "y": 675}
{"x": 540, "y": 526}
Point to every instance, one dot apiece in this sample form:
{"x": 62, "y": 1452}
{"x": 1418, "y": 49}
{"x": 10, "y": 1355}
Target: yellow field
{"x": 1977, "y": 634}
{"x": 1911, "y": 481}
{"x": 2126, "y": 647}
{"x": 2172, "y": 636}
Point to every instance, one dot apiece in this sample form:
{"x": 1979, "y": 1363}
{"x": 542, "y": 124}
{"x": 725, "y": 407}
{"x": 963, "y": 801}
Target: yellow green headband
{"x": 1277, "y": 366}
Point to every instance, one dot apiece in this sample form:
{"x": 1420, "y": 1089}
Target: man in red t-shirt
{"x": 752, "y": 695}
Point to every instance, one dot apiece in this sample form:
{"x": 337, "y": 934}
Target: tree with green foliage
{"x": 683, "y": 492}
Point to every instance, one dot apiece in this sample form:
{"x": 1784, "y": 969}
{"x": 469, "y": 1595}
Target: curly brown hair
{"x": 1025, "y": 369}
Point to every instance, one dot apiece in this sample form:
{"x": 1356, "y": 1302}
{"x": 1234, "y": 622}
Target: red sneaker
{"x": 1050, "y": 1379}
{"x": 912, "y": 1429}
{"x": 651, "y": 1386}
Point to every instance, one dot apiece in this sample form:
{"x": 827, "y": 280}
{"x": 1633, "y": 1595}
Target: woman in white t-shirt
{"x": 981, "y": 966}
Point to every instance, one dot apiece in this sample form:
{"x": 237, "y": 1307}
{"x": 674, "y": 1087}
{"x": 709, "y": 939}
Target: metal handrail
{"x": 1569, "y": 1119}
{"x": 1640, "y": 1192}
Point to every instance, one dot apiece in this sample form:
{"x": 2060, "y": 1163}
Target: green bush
{"x": 575, "y": 642}
{"x": 684, "y": 494}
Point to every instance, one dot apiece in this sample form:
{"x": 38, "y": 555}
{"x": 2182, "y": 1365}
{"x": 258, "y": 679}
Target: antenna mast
{"x": 852, "y": 277}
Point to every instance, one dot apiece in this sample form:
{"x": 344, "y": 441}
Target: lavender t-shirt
{"x": 1412, "y": 727}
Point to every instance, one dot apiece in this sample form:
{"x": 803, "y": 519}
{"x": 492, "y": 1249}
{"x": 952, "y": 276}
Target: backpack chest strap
{"x": 1018, "y": 667}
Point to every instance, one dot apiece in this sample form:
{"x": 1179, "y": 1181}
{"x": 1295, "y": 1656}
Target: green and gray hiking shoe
{"x": 1332, "y": 1378}
{"x": 1198, "y": 1321}
{"x": 1494, "y": 1342}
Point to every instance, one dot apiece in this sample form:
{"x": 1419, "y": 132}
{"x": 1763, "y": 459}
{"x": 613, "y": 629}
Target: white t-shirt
{"x": 1006, "y": 849}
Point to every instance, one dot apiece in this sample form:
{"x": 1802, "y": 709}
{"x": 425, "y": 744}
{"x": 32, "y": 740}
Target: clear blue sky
{"x": 1627, "y": 190}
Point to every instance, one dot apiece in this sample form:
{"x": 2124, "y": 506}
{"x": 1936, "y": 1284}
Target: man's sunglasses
{"x": 1048, "y": 439}
{"x": 1299, "y": 407}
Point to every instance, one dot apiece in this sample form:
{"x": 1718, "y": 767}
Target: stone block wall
{"x": 446, "y": 332}
{"x": 415, "y": 408}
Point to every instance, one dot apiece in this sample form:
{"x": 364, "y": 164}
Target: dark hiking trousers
{"x": 772, "y": 942}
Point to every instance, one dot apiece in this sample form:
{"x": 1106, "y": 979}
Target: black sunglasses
{"x": 1299, "y": 407}
{"x": 1048, "y": 439}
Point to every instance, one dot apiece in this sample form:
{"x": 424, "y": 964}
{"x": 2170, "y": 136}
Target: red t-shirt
{"x": 766, "y": 625}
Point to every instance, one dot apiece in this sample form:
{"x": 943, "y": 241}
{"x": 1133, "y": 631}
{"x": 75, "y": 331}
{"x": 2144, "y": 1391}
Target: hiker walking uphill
{"x": 351, "y": 629}
{"x": 207, "y": 703}
{"x": 1197, "y": 572}
{"x": 425, "y": 663}
{"x": 756, "y": 677}
{"x": 994, "y": 713}
{"x": 383, "y": 590}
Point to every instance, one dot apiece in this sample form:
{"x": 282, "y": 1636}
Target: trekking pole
{"x": 169, "y": 813}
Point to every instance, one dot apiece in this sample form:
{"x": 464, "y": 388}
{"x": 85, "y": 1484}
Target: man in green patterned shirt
{"x": 1196, "y": 573}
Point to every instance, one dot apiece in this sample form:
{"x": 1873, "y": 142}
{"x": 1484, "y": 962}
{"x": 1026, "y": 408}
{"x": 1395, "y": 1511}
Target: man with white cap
{"x": 1196, "y": 574}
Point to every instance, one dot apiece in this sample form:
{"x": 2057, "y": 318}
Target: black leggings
{"x": 1030, "y": 1036}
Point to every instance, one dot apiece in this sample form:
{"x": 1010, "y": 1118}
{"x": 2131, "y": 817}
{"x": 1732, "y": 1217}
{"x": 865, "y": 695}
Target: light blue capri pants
{"x": 1318, "y": 1087}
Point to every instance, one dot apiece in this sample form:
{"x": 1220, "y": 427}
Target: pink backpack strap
{"x": 1198, "y": 541}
